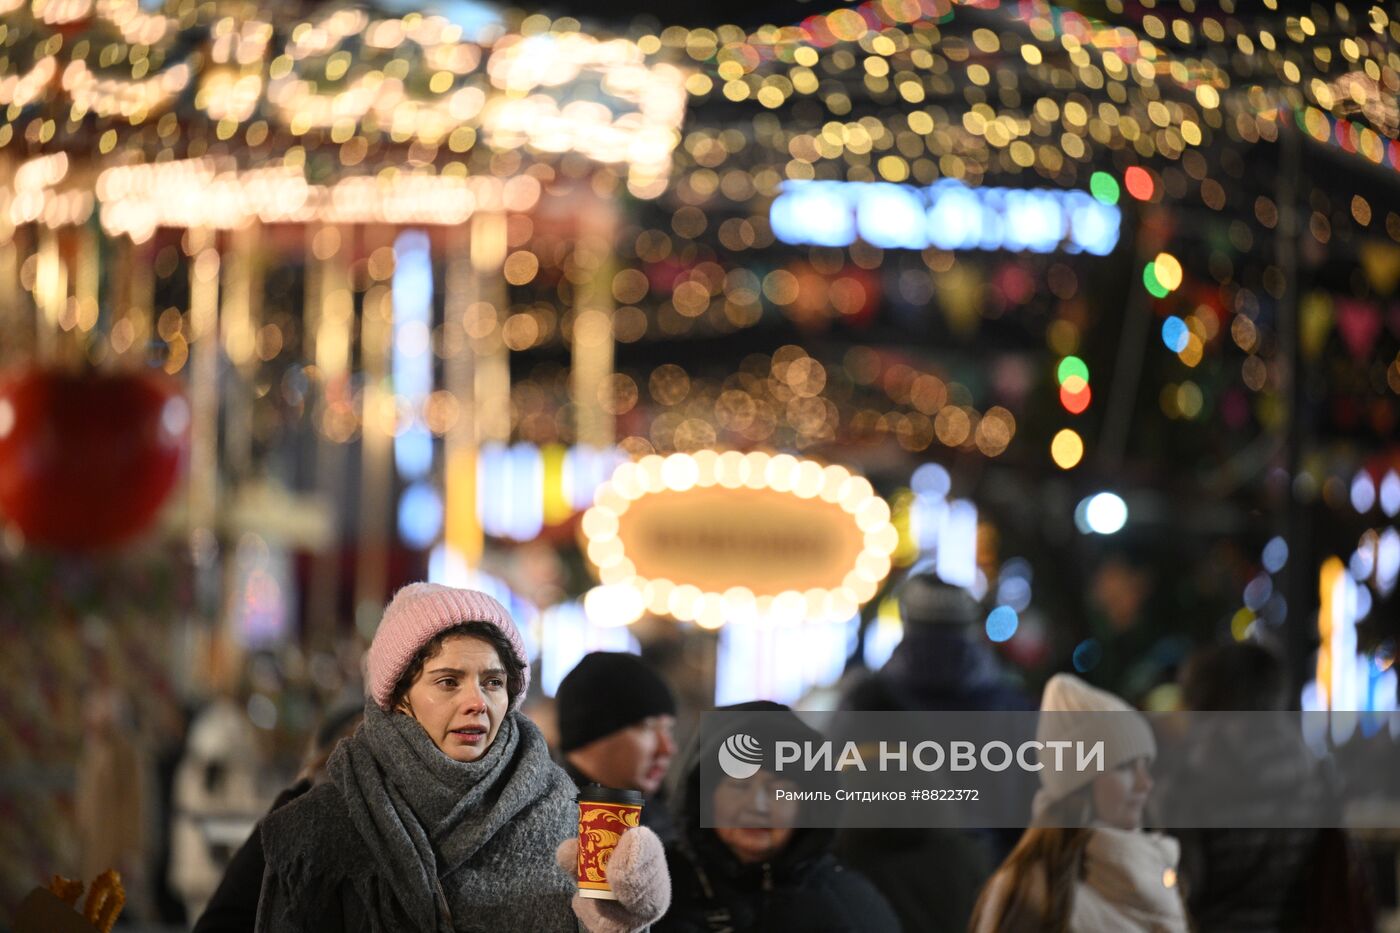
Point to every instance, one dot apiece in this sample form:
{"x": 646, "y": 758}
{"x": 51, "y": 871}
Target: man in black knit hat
{"x": 616, "y": 717}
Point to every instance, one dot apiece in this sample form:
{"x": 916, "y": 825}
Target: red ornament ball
{"x": 86, "y": 460}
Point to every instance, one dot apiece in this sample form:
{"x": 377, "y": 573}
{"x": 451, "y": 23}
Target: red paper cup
{"x": 604, "y": 814}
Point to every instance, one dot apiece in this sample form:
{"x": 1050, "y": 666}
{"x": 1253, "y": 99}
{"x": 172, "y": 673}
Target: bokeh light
{"x": 1072, "y": 366}
{"x": 1189, "y": 400}
{"x": 1075, "y": 395}
{"x": 1275, "y": 554}
{"x": 1257, "y": 592}
{"x": 1002, "y": 623}
{"x": 1167, "y": 269}
{"x": 1104, "y": 513}
{"x": 1390, "y": 493}
{"x": 1175, "y": 334}
{"x": 420, "y": 515}
{"x": 1241, "y": 623}
{"x": 1087, "y": 655}
{"x": 1363, "y": 491}
{"x": 1140, "y": 183}
{"x": 1104, "y": 187}
{"x": 1067, "y": 449}
{"x": 931, "y": 480}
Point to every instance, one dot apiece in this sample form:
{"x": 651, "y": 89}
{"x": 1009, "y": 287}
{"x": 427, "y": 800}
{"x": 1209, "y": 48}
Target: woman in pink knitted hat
{"x": 444, "y": 811}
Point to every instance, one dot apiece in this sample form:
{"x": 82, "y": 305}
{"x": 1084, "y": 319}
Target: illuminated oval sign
{"x": 712, "y": 537}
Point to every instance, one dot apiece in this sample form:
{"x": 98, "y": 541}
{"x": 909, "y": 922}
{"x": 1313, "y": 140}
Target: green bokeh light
{"x": 1149, "y": 278}
{"x": 1072, "y": 366}
{"x": 1104, "y": 187}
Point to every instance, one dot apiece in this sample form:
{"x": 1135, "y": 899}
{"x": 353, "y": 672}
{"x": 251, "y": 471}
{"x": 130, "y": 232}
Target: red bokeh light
{"x": 1075, "y": 402}
{"x": 1139, "y": 183}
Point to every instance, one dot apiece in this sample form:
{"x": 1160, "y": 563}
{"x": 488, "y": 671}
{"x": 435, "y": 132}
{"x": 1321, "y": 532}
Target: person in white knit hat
{"x": 1085, "y": 865}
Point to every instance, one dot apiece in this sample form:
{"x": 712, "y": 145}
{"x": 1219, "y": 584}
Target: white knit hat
{"x": 1106, "y": 718}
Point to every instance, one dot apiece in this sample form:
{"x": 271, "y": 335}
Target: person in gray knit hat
{"x": 944, "y": 661}
{"x": 616, "y": 717}
{"x": 443, "y": 812}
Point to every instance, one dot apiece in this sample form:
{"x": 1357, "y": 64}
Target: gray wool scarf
{"x": 461, "y": 846}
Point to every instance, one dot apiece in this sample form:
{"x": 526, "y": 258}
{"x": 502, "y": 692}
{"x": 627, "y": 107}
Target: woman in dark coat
{"x": 444, "y": 813}
{"x": 761, "y": 875}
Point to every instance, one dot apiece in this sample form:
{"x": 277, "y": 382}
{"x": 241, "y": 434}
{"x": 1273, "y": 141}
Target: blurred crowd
{"x": 438, "y": 803}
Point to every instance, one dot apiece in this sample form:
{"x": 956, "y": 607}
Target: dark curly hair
{"x": 515, "y": 667}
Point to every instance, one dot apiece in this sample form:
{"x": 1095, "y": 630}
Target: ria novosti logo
{"x": 740, "y": 756}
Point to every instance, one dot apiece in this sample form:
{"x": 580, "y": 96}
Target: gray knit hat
{"x": 925, "y": 599}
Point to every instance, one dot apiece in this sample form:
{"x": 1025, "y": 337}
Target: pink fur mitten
{"x": 637, "y": 875}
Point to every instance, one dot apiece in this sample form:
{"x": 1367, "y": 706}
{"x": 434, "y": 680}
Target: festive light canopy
{"x": 808, "y": 182}
{"x": 978, "y": 88}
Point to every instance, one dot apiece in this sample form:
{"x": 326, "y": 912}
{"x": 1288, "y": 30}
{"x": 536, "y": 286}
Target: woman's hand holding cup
{"x": 621, "y": 867}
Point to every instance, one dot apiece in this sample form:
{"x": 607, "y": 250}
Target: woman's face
{"x": 751, "y": 821}
{"x": 460, "y": 697}
{"x": 1121, "y": 794}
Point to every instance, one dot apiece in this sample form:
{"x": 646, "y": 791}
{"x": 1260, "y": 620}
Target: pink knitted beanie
{"x": 416, "y": 614}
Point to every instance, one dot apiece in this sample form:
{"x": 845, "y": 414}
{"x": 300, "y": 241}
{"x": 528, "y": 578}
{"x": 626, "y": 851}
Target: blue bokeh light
{"x": 1036, "y": 221}
{"x": 420, "y": 515}
{"x": 1087, "y": 655}
{"x": 1275, "y": 554}
{"x": 413, "y": 452}
{"x": 1093, "y": 225}
{"x": 1014, "y": 592}
{"x": 891, "y": 217}
{"x": 931, "y": 479}
{"x": 1002, "y": 623}
{"x": 948, "y": 214}
{"x": 1175, "y": 334}
{"x": 955, "y": 219}
{"x": 1258, "y": 591}
{"x": 814, "y": 212}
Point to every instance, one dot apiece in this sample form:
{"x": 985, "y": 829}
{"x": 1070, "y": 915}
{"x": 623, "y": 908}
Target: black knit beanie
{"x": 608, "y": 691}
